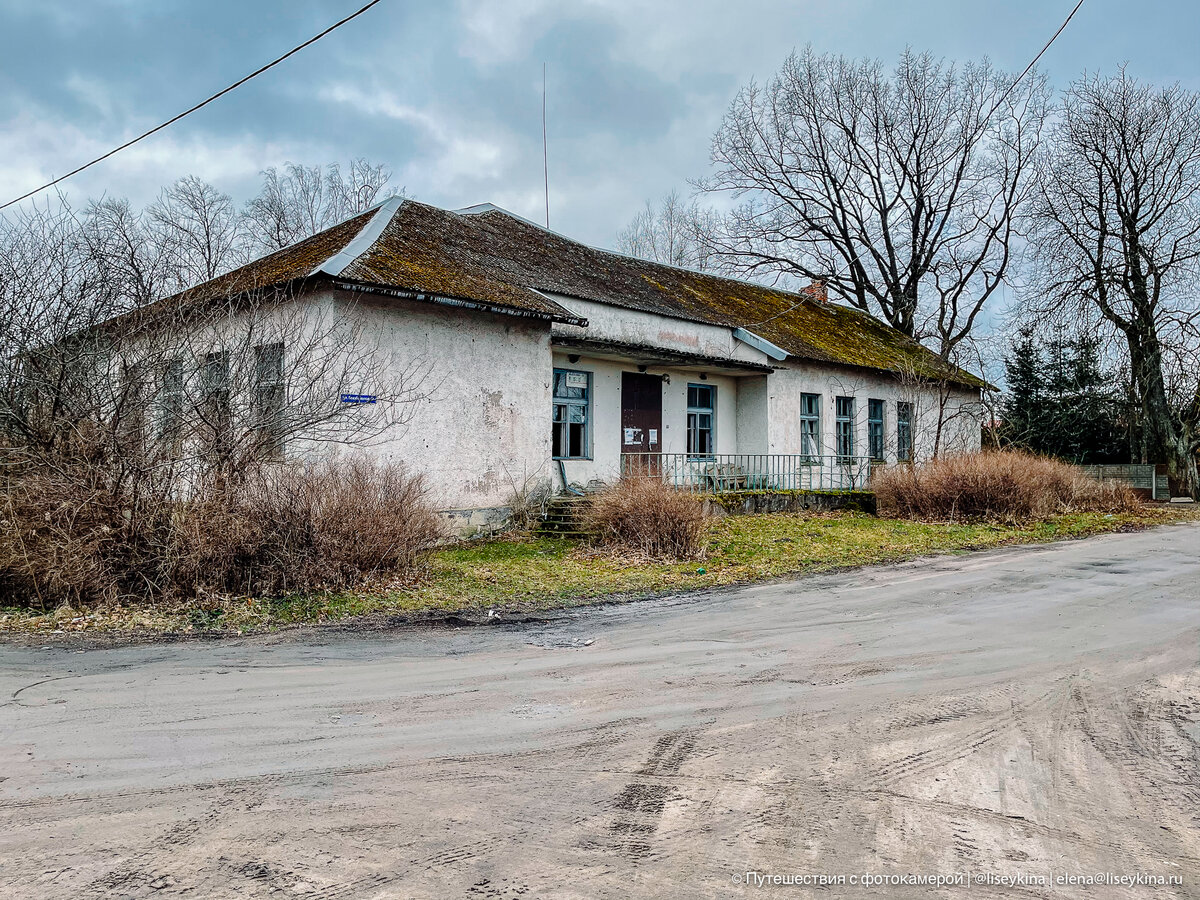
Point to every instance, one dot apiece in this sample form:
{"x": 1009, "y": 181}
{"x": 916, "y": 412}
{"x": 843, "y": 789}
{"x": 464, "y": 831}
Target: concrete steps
{"x": 562, "y": 517}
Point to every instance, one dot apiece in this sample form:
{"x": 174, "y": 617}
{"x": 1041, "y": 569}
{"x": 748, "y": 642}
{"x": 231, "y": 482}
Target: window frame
{"x": 131, "y": 402}
{"x": 269, "y": 421}
{"x": 216, "y": 399}
{"x": 172, "y": 397}
{"x": 843, "y": 430}
{"x": 567, "y": 403}
{"x": 876, "y": 429}
{"x": 814, "y": 433}
{"x": 697, "y": 411}
{"x": 904, "y": 431}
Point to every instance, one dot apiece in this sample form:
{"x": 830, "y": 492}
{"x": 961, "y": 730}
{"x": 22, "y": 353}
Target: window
{"x": 810, "y": 425}
{"x": 216, "y": 412}
{"x": 701, "y": 410}
{"x": 844, "y": 434}
{"x": 269, "y": 398}
{"x": 170, "y": 407}
{"x": 572, "y": 414}
{"x": 875, "y": 429}
{"x": 904, "y": 435}
{"x": 130, "y": 406}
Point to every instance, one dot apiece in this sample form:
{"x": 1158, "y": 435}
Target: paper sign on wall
{"x": 577, "y": 379}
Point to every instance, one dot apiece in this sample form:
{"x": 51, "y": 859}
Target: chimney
{"x": 817, "y": 291}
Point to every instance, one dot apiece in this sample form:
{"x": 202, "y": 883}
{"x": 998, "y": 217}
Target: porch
{"x": 613, "y": 403}
{"x": 735, "y": 472}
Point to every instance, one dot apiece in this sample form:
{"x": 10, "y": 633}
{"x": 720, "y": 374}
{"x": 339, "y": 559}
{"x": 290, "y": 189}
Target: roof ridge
{"x": 362, "y": 241}
{"x": 479, "y": 209}
{"x": 483, "y": 208}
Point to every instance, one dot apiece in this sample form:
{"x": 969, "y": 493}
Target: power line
{"x": 996, "y": 106}
{"x": 1034, "y": 61}
{"x": 199, "y": 105}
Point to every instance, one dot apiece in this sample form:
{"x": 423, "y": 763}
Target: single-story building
{"x": 549, "y": 359}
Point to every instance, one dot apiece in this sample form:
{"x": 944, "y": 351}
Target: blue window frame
{"x": 844, "y": 433}
{"x": 810, "y": 425}
{"x": 701, "y": 419}
{"x": 572, "y": 414}
{"x": 875, "y": 423}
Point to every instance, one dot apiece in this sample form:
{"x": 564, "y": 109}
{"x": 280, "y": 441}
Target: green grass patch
{"x": 522, "y": 575}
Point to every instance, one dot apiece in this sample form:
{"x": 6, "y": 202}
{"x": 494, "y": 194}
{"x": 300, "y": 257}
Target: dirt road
{"x": 1028, "y": 713}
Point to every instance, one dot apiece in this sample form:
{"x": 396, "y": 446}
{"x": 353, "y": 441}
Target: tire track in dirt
{"x": 639, "y": 806}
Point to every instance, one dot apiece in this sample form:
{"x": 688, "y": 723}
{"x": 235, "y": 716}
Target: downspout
{"x": 562, "y": 473}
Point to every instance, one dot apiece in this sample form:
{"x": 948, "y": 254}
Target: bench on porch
{"x": 720, "y": 477}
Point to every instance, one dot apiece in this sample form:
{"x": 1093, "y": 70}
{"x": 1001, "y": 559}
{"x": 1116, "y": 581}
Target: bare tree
{"x": 178, "y": 386}
{"x": 302, "y": 200}
{"x": 673, "y": 232}
{"x": 199, "y": 229}
{"x": 903, "y": 193}
{"x": 127, "y": 432}
{"x": 943, "y": 421}
{"x": 127, "y": 262}
{"x": 1118, "y": 234}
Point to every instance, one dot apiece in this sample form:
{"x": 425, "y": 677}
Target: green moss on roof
{"x": 499, "y": 260}
{"x": 433, "y": 251}
{"x": 282, "y": 266}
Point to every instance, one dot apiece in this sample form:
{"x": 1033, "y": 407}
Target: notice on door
{"x": 653, "y": 437}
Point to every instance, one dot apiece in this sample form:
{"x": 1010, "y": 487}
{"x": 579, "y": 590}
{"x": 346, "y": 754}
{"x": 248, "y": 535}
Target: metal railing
{"x": 726, "y": 472}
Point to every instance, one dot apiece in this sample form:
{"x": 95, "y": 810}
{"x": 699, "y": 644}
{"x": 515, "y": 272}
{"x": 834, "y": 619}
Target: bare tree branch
{"x": 903, "y": 193}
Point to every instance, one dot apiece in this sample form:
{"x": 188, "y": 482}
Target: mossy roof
{"x": 494, "y": 259}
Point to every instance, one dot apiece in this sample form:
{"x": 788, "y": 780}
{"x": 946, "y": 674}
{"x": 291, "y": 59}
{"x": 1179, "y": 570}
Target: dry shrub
{"x": 528, "y": 502}
{"x": 71, "y": 533}
{"x": 1005, "y": 485}
{"x": 647, "y": 516}
{"x": 294, "y": 528}
{"x": 68, "y": 536}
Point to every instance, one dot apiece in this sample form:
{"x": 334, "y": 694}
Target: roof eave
{"x": 461, "y": 302}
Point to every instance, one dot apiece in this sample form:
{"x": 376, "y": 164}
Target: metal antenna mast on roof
{"x": 545, "y": 150}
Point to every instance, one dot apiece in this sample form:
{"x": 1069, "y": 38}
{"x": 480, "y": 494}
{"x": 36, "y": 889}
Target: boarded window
{"x": 701, "y": 419}
{"x": 904, "y": 434}
{"x": 844, "y": 433}
{"x": 572, "y": 414}
{"x": 269, "y": 398}
{"x": 810, "y": 425}
{"x": 875, "y": 414}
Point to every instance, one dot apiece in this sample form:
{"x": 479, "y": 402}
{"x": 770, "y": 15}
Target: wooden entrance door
{"x": 641, "y": 415}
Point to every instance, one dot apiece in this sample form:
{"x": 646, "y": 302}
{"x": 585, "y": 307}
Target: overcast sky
{"x": 448, "y": 94}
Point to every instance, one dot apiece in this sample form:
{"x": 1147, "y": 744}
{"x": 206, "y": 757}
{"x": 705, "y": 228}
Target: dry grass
{"x": 648, "y": 517}
{"x": 523, "y": 575}
{"x": 329, "y": 524}
{"x": 74, "y": 535}
{"x": 1001, "y": 485}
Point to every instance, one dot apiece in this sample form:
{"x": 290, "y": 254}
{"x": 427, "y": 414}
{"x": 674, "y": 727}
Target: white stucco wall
{"x": 614, "y": 323}
{"x": 960, "y": 410}
{"x": 753, "y": 414}
{"x": 482, "y": 427}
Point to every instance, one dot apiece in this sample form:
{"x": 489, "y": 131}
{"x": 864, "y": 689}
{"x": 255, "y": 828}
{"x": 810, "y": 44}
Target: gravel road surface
{"x": 1030, "y": 713}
